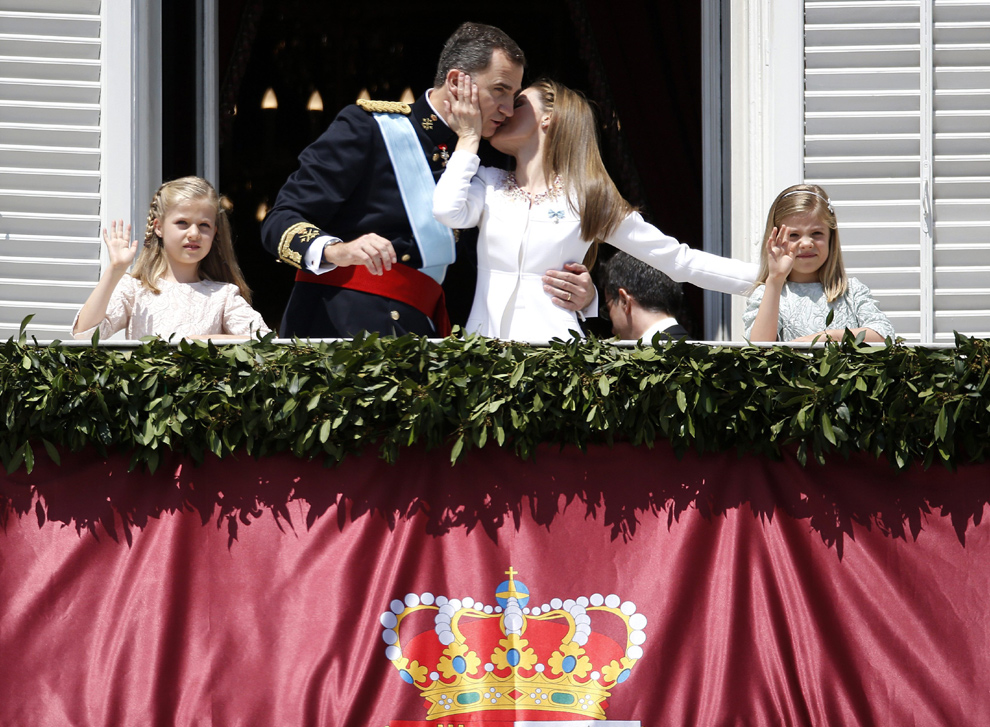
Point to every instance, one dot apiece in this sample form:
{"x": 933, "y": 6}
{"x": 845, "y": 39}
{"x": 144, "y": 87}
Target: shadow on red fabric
{"x": 713, "y": 589}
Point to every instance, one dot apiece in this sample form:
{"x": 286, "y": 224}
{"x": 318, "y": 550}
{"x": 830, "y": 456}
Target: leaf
{"x": 517, "y": 374}
{"x": 22, "y": 331}
{"x": 390, "y": 394}
{"x": 827, "y": 428}
{"x": 52, "y": 452}
{"x": 28, "y": 457}
{"x": 153, "y": 461}
{"x": 941, "y": 425}
{"x": 455, "y": 451}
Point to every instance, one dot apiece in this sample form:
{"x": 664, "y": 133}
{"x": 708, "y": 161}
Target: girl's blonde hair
{"x": 799, "y": 200}
{"x": 220, "y": 263}
{"x": 571, "y": 150}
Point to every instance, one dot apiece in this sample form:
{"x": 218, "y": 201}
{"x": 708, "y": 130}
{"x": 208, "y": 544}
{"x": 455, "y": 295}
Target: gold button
{"x": 406, "y": 258}
{"x": 395, "y": 315}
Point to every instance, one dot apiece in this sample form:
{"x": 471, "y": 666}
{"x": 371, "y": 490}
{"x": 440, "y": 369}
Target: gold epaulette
{"x": 385, "y": 107}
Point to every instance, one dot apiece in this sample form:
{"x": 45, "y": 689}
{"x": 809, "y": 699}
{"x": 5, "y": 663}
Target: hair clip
{"x": 826, "y": 200}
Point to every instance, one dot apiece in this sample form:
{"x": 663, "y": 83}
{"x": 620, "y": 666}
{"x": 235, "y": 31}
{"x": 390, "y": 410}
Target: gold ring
{"x": 568, "y": 297}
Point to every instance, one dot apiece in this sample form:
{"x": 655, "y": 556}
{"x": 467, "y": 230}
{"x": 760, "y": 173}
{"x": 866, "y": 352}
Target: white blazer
{"x": 519, "y": 240}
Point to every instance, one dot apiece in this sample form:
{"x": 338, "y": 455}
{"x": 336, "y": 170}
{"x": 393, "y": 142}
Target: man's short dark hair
{"x": 470, "y": 50}
{"x": 653, "y": 290}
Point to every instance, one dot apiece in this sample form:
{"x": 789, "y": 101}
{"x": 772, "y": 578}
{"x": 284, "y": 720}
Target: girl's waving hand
{"x": 781, "y": 251}
{"x": 120, "y": 247}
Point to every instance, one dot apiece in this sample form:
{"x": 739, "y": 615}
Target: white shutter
{"x": 961, "y": 166}
{"x": 49, "y": 162}
{"x": 862, "y": 141}
{"x": 897, "y": 131}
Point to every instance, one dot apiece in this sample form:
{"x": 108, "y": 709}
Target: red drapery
{"x": 772, "y": 594}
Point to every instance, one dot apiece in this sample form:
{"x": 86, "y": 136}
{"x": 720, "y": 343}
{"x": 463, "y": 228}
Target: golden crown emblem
{"x": 543, "y": 662}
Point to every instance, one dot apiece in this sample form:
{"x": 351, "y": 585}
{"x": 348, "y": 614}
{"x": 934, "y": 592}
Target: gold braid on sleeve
{"x": 305, "y": 232}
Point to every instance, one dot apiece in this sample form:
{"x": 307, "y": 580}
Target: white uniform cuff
{"x": 313, "y": 259}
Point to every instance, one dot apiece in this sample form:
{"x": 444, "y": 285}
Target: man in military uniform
{"x": 342, "y": 218}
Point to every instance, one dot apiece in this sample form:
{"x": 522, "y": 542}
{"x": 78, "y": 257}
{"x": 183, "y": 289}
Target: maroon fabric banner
{"x": 710, "y": 590}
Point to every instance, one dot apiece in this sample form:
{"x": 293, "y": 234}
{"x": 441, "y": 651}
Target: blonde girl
{"x": 186, "y": 281}
{"x": 554, "y": 208}
{"x": 802, "y": 279}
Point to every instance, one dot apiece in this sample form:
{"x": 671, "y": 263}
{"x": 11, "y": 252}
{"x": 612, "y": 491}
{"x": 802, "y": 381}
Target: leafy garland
{"x": 333, "y": 399}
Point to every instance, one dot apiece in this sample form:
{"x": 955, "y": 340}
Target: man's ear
{"x": 625, "y": 300}
{"x": 450, "y": 82}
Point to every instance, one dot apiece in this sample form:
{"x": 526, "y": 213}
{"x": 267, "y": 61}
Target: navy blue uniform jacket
{"x": 345, "y": 187}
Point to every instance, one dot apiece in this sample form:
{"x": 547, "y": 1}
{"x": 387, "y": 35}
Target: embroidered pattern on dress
{"x": 511, "y": 189}
{"x": 183, "y": 309}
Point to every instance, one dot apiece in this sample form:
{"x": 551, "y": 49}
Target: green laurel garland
{"x": 328, "y": 400}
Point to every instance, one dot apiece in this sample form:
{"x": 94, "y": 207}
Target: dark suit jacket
{"x": 675, "y": 332}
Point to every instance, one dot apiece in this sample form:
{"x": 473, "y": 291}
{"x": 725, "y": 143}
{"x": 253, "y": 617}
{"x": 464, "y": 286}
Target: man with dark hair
{"x": 356, "y": 217}
{"x": 641, "y": 300}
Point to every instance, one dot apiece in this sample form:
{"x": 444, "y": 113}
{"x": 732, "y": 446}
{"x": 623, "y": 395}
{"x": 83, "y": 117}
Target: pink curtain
{"x": 772, "y": 594}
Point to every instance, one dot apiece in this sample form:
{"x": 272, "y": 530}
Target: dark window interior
{"x": 639, "y": 61}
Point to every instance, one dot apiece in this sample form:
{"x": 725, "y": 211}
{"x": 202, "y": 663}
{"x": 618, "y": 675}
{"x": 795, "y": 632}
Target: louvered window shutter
{"x": 896, "y": 130}
{"x": 961, "y": 167}
{"x": 49, "y": 161}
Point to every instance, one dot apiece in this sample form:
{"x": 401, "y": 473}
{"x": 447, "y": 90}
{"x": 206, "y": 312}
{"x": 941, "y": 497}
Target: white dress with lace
{"x": 183, "y": 309}
{"x": 804, "y": 310}
{"x": 520, "y": 239}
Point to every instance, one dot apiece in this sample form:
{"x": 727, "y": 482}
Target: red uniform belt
{"x": 401, "y": 283}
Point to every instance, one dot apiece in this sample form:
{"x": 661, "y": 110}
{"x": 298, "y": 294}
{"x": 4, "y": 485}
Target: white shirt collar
{"x": 434, "y": 108}
{"x": 662, "y": 325}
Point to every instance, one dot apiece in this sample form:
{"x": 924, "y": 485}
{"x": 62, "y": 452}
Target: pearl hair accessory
{"x": 826, "y": 200}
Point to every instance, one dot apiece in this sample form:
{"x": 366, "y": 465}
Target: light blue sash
{"x": 434, "y": 240}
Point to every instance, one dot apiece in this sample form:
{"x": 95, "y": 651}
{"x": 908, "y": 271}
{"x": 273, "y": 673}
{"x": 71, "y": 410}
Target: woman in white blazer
{"x": 555, "y": 208}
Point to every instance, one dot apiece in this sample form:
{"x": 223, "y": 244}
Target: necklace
{"x": 513, "y": 190}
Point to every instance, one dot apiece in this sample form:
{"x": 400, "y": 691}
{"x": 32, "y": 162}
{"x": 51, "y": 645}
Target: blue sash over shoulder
{"x": 412, "y": 172}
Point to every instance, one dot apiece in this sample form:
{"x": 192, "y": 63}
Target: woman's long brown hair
{"x": 571, "y": 150}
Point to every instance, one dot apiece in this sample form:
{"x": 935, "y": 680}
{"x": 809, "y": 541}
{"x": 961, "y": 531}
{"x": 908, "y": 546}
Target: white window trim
{"x": 767, "y": 119}
{"x": 130, "y": 111}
